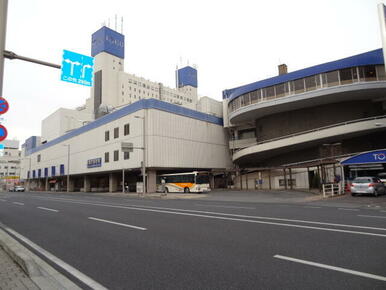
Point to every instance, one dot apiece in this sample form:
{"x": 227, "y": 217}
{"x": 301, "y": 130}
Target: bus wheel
{"x": 186, "y": 190}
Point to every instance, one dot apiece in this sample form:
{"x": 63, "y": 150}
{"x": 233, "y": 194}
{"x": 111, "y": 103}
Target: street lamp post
{"x": 68, "y": 166}
{"x": 144, "y": 151}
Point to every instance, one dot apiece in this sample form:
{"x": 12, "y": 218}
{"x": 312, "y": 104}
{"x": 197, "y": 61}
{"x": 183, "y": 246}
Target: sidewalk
{"x": 12, "y": 276}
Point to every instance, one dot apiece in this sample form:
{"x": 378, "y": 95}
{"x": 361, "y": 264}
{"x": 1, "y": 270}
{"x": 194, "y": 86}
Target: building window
{"x": 107, "y": 136}
{"x": 126, "y": 155}
{"x": 107, "y": 157}
{"x": 116, "y": 155}
{"x": 39, "y": 157}
{"x": 61, "y": 169}
{"x": 53, "y": 171}
{"x": 116, "y": 132}
{"x": 126, "y": 129}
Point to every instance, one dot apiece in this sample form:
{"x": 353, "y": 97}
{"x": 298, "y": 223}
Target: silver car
{"x": 367, "y": 185}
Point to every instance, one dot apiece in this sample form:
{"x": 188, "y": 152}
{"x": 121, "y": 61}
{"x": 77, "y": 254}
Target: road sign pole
{"x": 3, "y": 30}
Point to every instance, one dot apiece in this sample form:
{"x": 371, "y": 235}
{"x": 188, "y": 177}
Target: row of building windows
{"x": 40, "y": 173}
{"x": 126, "y": 131}
{"x": 126, "y": 156}
{"x": 329, "y": 79}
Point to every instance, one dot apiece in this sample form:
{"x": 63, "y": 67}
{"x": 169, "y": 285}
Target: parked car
{"x": 19, "y": 188}
{"x": 367, "y": 185}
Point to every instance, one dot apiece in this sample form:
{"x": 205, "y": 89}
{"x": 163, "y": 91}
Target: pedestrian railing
{"x": 332, "y": 189}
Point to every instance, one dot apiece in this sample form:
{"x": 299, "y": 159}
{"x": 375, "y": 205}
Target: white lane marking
{"x": 18, "y": 203}
{"x": 46, "y": 208}
{"x": 372, "y": 216}
{"x": 225, "y": 206}
{"x": 334, "y": 268}
{"x": 119, "y": 224}
{"x": 351, "y": 209}
{"x": 215, "y": 213}
{"x": 74, "y": 272}
{"x": 312, "y": 207}
{"x": 2, "y": 199}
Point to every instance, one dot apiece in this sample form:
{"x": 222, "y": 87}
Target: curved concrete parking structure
{"x": 357, "y": 91}
{"x": 340, "y": 131}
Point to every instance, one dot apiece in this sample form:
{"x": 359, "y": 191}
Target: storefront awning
{"x": 377, "y": 156}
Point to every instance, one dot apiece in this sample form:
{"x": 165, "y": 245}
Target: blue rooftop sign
{"x": 77, "y": 68}
{"x": 108, "y": 40}
{"x": 378, "y": 156}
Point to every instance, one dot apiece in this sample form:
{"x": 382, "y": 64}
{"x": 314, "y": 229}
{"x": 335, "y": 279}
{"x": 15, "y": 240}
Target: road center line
{"x": 46, "y": 208}
{"x": 351, "y": 209}
{"x": 189, "y": 212}
{"x": 119, "y": 224}
{"x": 225, "y": 206}
{"x": 18, "y": 203}
{"x": 372, "y": 216}
{"x": 339, "y": 269}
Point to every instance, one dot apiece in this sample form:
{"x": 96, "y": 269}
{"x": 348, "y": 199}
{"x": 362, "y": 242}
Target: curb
{"x": 41, "y": 273}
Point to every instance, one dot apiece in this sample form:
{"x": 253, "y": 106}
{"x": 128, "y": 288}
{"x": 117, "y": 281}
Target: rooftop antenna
{"x": 115, "y": 22}
{"x": 121, "y": 25}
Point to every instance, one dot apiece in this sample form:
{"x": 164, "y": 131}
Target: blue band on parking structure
{"x": 378, "y": 156}
{"x": 373, "y": 57}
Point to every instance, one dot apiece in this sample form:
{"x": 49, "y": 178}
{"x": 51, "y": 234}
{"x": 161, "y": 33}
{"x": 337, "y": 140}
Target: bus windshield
{"x": 202, "y": 179}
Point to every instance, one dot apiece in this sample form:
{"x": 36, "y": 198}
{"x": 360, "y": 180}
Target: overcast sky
{"x": 231, "y": 42}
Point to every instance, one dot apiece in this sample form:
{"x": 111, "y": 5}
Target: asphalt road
{"x": 131, "y": 243}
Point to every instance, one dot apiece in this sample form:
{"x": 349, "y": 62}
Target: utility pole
{"x": 3, "y": 30}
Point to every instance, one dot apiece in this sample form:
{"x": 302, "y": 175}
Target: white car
{"x": 19, "y": 189}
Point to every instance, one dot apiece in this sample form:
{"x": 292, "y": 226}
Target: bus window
{"x": 202, "y": 179}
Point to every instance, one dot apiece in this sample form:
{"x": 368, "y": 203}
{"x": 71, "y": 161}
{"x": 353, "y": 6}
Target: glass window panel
{"x": 367, "y": 73}
{"x": 280, "y": 90}
{"x": 381, "y": 76}
{"x": 254, "y": 97}
{"x": 346, "y": 76}
{"x": 310, "y": 83}
{"x": 247, "y": 101}
{"x": 270, "y": 91}
{"x": 332, "y": 78}
{"x": 299, "y": 86}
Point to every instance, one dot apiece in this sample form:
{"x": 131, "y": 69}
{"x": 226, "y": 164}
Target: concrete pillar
{"x": 290, "y": 174}
{"x": 211, "y": 181}
{"x": 113, "y": 183}
{"x": 71, "y": 185}
{"x": 86, "y": 184}
{"x": 151, "y": 181}
{"x": 46, "y": 184}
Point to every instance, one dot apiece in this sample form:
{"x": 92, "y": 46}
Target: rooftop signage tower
{"x": 108, "y": 48}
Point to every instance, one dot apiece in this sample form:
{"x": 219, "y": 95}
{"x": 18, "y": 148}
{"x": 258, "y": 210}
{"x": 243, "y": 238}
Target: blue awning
{"x": 377, "y": 156}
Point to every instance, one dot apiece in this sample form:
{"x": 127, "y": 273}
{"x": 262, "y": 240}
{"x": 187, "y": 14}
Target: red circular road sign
{"x": 3, "y": 133}
{"x": 4, "y": 106}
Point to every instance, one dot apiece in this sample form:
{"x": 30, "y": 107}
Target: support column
{"x": 211, "y": 181}
{"x": 246, "y": 181}
{"x": 290, "y": 178}
{"x": 269, "y": 179}
{"x": 113, "y": 183}
{"x": 151, "y": 181}
{"x": 285, "y": 178}
{"x": 71, "y": 185}
{"x": 86, "y": 184}
{"x": 46, "y": 185}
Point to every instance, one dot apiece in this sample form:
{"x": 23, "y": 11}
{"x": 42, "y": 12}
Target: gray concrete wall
{"x": 286, "y": 123}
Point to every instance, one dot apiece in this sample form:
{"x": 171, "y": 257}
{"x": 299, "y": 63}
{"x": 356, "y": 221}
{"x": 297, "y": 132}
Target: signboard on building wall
{"x": 96, "y": 162}
{"x": 108, "y": 40}
{"x": 378, "y": 156}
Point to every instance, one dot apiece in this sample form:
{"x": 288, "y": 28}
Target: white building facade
{"x": 10, "y": 164}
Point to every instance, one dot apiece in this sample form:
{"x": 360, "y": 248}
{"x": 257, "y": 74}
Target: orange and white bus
{"x": 196, "y": 181}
